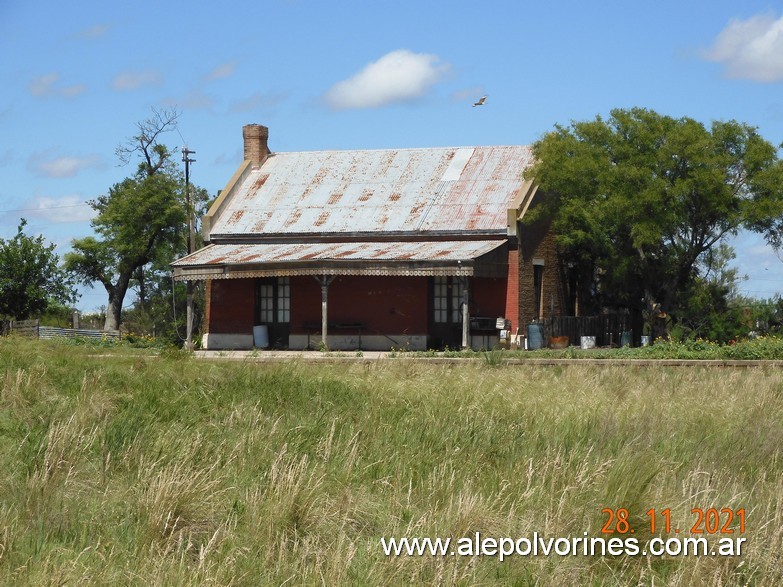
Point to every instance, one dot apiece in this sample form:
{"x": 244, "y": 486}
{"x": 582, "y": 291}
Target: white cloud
{"x": 58, "y": 210}
{"x": 133, "y": 80}
{"x": 47, "y": 165}
{"x": 43, "y": 85}
{"x": 221, "y": 71}
{"x": 398, "y": 76}
{"x": 751, "y": 49}
{"x": 94, "y": 32}
{"x": 258, "y": 101}
{"x": 194, "y": 100}
{"x": 71, "y": 91}
{"x": 49, "y": 85}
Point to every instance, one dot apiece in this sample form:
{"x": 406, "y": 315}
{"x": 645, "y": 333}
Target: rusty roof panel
{"x": 405, "y": 190}
{"x": 248, "y": 254}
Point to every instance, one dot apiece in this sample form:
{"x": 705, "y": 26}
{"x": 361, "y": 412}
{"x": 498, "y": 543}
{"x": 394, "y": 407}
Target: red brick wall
{"x": 512, "y": 306}
{"x": 382, "y": 304}
{"x": 488, "y": 297}
{"x": 231, "y": 306}
{"x": 537, "y": 242}
{"x": 391, "y": 305}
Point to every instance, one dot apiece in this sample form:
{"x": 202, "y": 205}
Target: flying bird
{"x": 480, "y": 102}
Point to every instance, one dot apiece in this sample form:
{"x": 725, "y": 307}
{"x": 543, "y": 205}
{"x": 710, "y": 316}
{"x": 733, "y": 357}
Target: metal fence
{"x": 34, "y": 329}
{"x": 608, "y": 329}
{"x": 47, "y": 332}
{"x": 23, "y": 327}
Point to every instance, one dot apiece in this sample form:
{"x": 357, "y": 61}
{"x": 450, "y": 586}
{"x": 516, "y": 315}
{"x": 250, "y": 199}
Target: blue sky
{"x": 78, "y": 76}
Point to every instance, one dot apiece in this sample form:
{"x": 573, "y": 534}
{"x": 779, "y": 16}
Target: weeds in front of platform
{"x": 134, "y": 470}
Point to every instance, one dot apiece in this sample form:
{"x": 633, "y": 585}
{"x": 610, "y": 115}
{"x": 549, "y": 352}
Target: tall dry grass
{"x": 137, "y": 470}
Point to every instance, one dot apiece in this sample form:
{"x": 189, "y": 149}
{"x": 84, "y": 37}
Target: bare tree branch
{"x": 145, "y": 142}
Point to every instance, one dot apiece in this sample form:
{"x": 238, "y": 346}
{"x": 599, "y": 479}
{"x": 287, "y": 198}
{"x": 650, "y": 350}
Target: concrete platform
{"x": 261, "y": 356}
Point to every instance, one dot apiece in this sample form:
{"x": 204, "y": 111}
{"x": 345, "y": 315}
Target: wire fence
{"x": 34, "y": 329}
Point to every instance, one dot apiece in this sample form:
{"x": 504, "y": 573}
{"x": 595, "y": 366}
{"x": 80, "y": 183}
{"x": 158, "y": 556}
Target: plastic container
{"x": 588, "y": 342}
{"x": 261, "y": 336}
{"x": 535, "y": 336}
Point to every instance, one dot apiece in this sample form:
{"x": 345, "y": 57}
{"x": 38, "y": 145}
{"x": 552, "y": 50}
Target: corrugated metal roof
{"x": 345, "y": 258}
{"x": 385, "y": 191}
{"x": 251, "y": 254}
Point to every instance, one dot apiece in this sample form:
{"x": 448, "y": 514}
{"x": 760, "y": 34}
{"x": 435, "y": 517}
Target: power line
{"x": 184, "y": 142}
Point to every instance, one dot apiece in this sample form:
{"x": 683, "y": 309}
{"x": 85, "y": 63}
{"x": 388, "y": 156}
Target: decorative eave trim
{"x": 407, "y": 270}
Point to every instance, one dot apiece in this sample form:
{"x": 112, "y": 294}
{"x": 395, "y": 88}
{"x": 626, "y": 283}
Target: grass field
{"x": 138, "y": 469}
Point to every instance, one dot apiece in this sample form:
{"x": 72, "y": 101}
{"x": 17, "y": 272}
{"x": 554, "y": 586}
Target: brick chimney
{"x": 256, "y": 137}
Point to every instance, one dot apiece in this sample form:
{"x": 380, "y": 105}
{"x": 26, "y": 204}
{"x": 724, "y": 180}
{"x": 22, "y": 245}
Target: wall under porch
{"x": 364, "y": 312}
{"x": 367, "y": 312}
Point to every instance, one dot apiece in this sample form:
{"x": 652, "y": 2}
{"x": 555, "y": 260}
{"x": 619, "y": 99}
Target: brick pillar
{"x": 512, "y": 290}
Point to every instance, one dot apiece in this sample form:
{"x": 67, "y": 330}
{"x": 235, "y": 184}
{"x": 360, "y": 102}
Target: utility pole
{"x": 191, "y": 246}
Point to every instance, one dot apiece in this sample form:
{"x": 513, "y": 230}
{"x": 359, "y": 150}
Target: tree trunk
{"x": 113, "y": 312}
{"x": 142, "y": 288}
{"x": 656, "y": 316}
{"x": 658, "y": 328}
{"x": 659, "y": 310}
{"x": 116, "y": 297}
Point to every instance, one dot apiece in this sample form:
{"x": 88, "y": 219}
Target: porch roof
{"x": 415, "y": 258}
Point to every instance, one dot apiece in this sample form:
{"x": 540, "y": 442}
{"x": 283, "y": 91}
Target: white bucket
{"x": 588, "y": 342}
{"x": 645, "y": 340}
{"x": 261, "y": 336}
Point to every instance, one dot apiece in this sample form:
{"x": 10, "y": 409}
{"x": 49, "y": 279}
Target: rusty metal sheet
{"x": 215, "y": 255}
{"x": 396, "y": 191}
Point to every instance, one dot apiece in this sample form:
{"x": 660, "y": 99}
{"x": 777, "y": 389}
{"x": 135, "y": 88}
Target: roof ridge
{"x": 383, "y": 149}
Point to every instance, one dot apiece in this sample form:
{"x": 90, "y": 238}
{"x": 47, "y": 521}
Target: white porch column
{"x": 465, "y": 312}
{"x": 324, "y": 281}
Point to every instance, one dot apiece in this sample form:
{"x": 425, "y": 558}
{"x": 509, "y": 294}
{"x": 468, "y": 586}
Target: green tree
{"x": 30, "y": 276}
{"x": 139, "y": 218}
{"x": 160, "y": 305}
{"x": 713, "y": 308}
{"x": 637, "y": 200}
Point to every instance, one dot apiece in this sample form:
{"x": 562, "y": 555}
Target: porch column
{"x": 465, "y": 312}
{"x": 324, "y": 281}
{"x": 208, "y": 304}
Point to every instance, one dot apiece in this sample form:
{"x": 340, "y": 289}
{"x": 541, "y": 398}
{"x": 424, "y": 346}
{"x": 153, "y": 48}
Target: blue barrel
{"x": 535, "y": 336}
{"x": 625, "y": 338}
{"x": 261, "y": 336}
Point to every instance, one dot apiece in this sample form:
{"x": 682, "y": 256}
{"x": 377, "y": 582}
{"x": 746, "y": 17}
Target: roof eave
{"x": 463, "y": 268}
